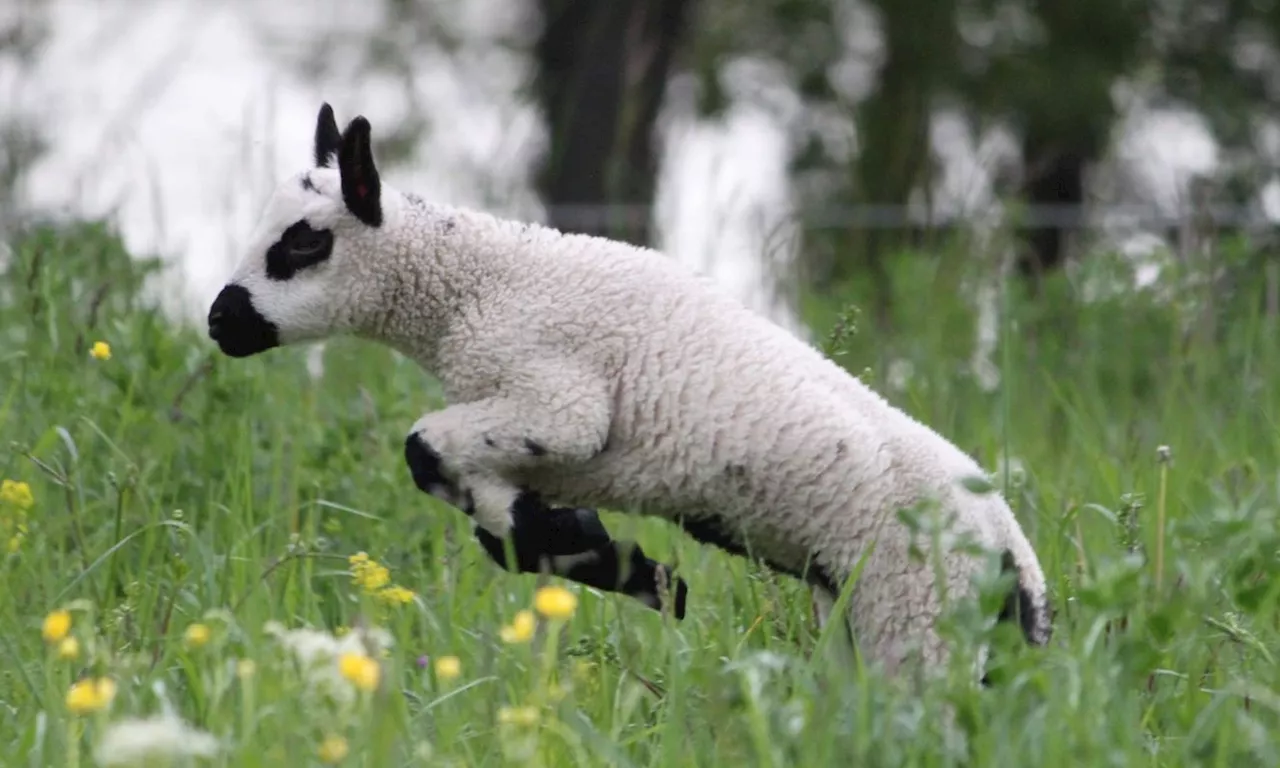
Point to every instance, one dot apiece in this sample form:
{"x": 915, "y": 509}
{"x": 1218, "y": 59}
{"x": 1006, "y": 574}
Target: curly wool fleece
{"x": 599, "y": 374}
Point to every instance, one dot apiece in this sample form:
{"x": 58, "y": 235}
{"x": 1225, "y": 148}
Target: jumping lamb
{"x": 596, "y": 374}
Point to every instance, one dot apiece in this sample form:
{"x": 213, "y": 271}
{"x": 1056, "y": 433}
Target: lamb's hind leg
{"x": 573, "y": 544}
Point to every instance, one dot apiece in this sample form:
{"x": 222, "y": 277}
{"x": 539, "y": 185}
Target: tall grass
{"x": 171, "y": 487}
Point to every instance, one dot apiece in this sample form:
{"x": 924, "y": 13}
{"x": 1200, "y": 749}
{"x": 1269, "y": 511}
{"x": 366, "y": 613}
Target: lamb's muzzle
{"x": 237, "y": 326}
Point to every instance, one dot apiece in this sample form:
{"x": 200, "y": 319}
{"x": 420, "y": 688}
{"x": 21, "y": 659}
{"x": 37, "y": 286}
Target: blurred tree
{"x": 602, "y": 71}
{"x": 1047, "y": 68}
{"x": 829, "y": 48}
{"x": 22, "y": 31}
{"x": 1221, "y": 58}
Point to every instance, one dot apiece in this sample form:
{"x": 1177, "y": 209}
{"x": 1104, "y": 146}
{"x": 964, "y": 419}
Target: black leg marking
{"x": 534, "y": 448}
{"x": 573, "y": 544}
{"x": 1019, "y": 605}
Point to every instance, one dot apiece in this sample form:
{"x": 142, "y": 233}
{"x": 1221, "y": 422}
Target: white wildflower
{"x": 317, "y": 653}
{"x": 165, "y": 736}
{"x": 313, "y": 645}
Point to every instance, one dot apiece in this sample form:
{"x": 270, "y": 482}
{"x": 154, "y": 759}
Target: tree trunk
{"x": 1054, "y": 180}
{"x": 893, "y": 126}
{"x": 602, "y": 73}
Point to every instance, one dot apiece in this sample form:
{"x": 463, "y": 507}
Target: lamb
{"x": 596, "y": 374}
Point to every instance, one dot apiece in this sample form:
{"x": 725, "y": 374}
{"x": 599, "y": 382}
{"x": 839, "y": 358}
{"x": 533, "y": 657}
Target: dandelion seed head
{"x": 165, "y": 737}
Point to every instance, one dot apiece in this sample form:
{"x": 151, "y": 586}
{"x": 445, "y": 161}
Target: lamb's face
{"x": 294, "y": 282}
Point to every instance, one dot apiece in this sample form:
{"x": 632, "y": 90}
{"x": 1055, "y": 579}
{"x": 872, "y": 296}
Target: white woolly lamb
{"x": 597, "y": 374}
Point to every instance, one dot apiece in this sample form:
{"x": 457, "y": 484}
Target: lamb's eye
{"x": 309, "y": 244}
{"x": 298, "y": 248}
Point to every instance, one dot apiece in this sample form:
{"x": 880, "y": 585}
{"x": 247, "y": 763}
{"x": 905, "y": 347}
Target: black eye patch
{"x": 298, "y": 248}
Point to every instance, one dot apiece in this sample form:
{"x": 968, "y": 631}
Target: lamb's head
{"x": 307, "y": 273}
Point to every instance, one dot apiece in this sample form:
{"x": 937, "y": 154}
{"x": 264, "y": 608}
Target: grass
{"x": 171, "y": 488}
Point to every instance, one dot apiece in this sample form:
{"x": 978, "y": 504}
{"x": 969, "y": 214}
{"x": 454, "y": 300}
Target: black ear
{"x": 328, "y": 138}
{"x": 361, "y": 189}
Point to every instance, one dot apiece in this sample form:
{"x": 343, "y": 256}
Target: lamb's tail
{"x": 1027, "y": 602}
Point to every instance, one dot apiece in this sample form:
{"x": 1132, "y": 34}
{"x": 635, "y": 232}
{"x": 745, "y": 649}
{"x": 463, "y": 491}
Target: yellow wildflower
{"x": 17, "y": 493}
{"x": 525, "y": 716}
{"x": 56, "y": 626}
{"x": 196, "y": 635}
{"x": 90, "y": 695}
{"x": 333, "y": 749}
{"x": 448, "y": 667}
{"x": 362, "y": 671}
{"x": 367, "y": 573}
{"x": 69, "y": 649}
{"x": 555, "y": 602}
{"x": 520, "y": 630}
{"x": 101, "y": 350}
{"x": 395, "y": 595}
{"x": 15, "y": 500}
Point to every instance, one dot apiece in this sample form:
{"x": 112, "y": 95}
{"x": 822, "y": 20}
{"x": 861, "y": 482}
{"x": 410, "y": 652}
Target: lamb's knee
{"x": 488, "y": 499}
{"x": 427, "y": 468}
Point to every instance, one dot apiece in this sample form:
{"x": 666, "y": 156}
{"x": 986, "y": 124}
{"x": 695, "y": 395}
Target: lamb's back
{"x": 718, "y": 411}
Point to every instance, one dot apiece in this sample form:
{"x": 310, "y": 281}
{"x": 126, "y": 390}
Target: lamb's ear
{"x": 361, "y": 189}
{"x": 328, "y": 137}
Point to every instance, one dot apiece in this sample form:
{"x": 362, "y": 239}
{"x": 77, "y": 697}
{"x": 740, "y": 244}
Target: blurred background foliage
{"x": 869, "y": 77}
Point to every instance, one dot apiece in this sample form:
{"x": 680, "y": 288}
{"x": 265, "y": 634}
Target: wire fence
{"x": 1062, "y": 217}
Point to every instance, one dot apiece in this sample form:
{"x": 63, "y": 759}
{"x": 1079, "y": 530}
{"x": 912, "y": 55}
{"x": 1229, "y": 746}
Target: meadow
{"x": 183, "y": 532}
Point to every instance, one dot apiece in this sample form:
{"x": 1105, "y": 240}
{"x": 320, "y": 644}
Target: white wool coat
{"x": 599, "y": 374}
{"x": 649, "y": 390}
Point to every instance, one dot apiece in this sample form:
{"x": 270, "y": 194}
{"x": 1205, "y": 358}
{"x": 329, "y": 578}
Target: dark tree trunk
{"x": 1054, "y": 182}
{"x": 893, "y": 130}
{"x": 602, "y": 73}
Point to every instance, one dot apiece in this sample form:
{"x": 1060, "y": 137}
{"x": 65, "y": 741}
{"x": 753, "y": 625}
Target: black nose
{"x": 215, "y": 323}
{"x": 237, "y": 326}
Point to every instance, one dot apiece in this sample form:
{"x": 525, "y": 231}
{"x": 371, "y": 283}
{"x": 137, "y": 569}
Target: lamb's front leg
{"x": 464, "y": 454}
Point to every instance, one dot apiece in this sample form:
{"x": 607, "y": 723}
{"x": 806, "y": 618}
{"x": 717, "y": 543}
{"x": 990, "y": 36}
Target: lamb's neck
{"x": 447, "y": 262}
